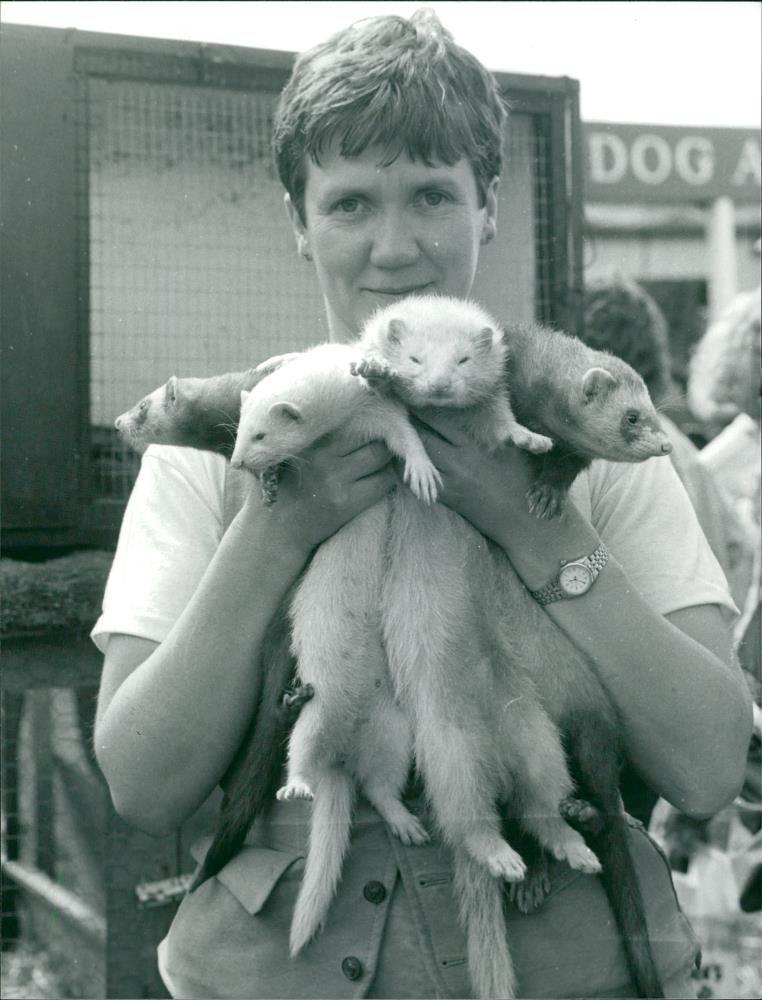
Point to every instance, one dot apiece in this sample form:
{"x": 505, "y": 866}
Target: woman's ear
{"x": 489, "y": 229}
{"x": 298, "y": 227}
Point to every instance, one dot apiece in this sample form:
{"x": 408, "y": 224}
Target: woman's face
{"x": 377, "y": 234}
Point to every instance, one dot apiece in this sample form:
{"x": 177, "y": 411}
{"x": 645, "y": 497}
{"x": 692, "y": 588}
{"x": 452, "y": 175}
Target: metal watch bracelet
{"x": 552, "y": 591}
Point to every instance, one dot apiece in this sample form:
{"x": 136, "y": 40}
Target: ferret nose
{"x": 441, "y": 384}
{"x": 666, "y": 448}
{"x": 236, "y": 463}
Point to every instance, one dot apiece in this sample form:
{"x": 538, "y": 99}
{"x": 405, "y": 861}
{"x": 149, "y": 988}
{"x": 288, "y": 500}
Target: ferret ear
{"x": 245, "y": 393}
{"x": 485, "y": 338}
{"x": 597, "y": 383}
{"x": 286, "y": 411}
{"x": 395, "y": 331}
{"x": 170, "y": 391}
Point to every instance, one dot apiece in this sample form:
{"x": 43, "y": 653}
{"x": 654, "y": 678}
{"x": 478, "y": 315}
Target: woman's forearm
{"x": 684, "y": 706}
{"x": 172, "y": 726}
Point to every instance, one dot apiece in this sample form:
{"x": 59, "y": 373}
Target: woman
{"x": 388, "y": 141}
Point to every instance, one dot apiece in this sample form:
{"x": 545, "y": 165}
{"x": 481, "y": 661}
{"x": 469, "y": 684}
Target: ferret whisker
{"x": 230, "y": 428}
{"x": 671, "y": 399}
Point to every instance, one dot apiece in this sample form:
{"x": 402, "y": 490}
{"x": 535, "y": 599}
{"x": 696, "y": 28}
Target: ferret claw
{"x": 424, "y": 481}
{"x": 269, "y": 484}
{"x": 575, "y": 852}
{"x": 372, "y": 369}
{"x": 545, "y": 501}
{"x": 411, "y": 832}
{"x": 530, "y": 893}
{"x": 581, "y": 814}
{"x": 295, "y": 790}
{"x": 583, "y": 859}
{"x": 294, "y": 698}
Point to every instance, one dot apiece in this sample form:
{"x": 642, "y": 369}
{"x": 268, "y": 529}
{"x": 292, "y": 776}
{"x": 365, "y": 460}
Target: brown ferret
{"x": 590, "y": 403}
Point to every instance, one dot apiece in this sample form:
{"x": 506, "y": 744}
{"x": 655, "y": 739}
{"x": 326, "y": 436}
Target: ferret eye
{"x": 415, "y": 360}
{"x": 465, "y": 359}
{"x": 632, "y": 416}
{"x": 258, "y": 437}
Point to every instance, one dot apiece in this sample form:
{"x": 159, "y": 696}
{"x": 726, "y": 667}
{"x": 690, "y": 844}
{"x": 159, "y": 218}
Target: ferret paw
{"x": 575, "y": 851}
{"x": 372, "y": 369}
{"x": 424, "y": 480}
{"x": 581, "y": 814}
{"x": 294, "y": 790}
{"x": 504, "y": 863}
{"x": 269, "y": 485}
{"x": 545, "y": 501}
{"x": 293, "y": 698}
{"x": 581, "y": 858}
{"x": 527, "y": 440}
{"x": 530, "y": 893}
{"x": 507, "y": 865}
{"x": 410, "y": 831}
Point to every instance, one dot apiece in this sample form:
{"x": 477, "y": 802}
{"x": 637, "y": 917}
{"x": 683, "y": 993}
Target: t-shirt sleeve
{"x": 171, "y": 528}
{"x": 644, "y": 515}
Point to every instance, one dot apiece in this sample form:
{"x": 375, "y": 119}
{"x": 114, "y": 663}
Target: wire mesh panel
{"x": 192, "y": 265}
{"x": 180, "y": 261}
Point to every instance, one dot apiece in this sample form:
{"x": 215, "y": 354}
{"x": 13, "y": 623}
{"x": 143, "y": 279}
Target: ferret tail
{"x": 594, "y": 742}
{"x": 248, "y": 798}
{"x": 481, "y": 909}
{"x": 620, "y": 880}
{"x": 329, "y": 839}
{"x": 255, "y": 774}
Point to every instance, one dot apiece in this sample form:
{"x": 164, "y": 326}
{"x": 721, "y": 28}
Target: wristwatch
{"x": 575, "y": 577}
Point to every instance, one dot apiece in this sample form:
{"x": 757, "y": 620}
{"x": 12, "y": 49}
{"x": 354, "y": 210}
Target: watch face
{"x": 575, "y": 579}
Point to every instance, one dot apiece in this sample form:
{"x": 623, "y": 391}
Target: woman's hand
{"x": 482, "y": 486}
{"x": 327, "y": 486}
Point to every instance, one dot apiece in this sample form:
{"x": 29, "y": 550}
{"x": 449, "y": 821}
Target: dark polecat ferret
{"x": 193, "y": 412}
{"x": 590, "y": 403}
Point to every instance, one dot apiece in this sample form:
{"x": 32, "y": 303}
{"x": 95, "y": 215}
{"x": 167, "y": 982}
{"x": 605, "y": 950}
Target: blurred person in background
{"x": 724, "y": 392}
{"x": 724, "y": 387}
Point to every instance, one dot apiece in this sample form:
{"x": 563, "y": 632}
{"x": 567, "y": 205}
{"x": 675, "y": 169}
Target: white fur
{"x": 449, "y": 691}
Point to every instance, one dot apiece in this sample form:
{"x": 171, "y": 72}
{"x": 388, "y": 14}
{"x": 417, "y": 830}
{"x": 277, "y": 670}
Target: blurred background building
{"x": 676, "y": 209}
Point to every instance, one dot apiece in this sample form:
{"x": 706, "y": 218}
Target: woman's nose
{"x": 394, "y": 242}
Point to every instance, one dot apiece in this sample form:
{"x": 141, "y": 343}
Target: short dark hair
{"x": 621, "y": 318}
{"x": 401, "y": 84}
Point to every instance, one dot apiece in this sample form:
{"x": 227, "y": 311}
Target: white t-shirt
{"x": 174, "y": 522}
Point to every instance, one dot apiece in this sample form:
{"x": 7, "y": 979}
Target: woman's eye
{"x": 348, "y": 206}
{"x": 632, "y": 416}
{"x": 434, "y": 198}
{"x": 465, "y": 359}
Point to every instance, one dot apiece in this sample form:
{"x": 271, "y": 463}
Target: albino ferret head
{"x": 269, "y": 432}
{"x": 445, "y": 351}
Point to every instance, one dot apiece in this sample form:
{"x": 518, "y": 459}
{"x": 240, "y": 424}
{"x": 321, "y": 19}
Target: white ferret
{"x": 591, "y": 404}
{"x": 352, "y": 731}
{"x": 479, "y": 733}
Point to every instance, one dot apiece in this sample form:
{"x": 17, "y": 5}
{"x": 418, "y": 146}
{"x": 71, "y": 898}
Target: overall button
{"x": 374, "y": 892}
{"x": 351, "y": 967}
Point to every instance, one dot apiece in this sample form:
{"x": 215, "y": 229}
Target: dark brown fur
{"x": 545, "y": 371}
